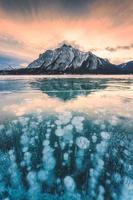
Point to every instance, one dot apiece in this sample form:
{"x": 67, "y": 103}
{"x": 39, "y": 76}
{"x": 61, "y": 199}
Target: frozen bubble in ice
{"x": 65, "y": 117}
{"x": 42, "y": 175}
{"x": 100, "y": 163}
{"x": 48, "y": 130}
{"x": 77, "y": 122}
{"x": 47, "y": 150}
{"x": 52, "y": 125}
{"x": 126, "y": 152}
{"x": 27, "y": 155}
{"x": 103, "y": 126}
{"x": 31, "y": 177}
{"x": 117, "y": 177}
{"x": 66, "y": 155}
{"x": 79, "y": 159}
{"x": 11, "y": 152}
{"x": 97, "y": 122}
{"x": 49, "y": 163}
{"x": 77, "y": 119}
{"x": 67, "y": 132}
{"x": 46, "y": 142}
{"x": 69, "y": 183}
{"x": 62, "y": 144}
{"x": 101, "y": 147}
{"x": 68, "y": 128}
{"x": 47, "y": 136}
{"x": 58, "y": 122}
{"x": 94, "y": 138}
{"x": 24, "y": 139}
{"x": 59, "y": 132}
{"x": 24, "y": 149}
{"x": 55, "y": 144}
{"x": 22, "y": 163}
{"x": 58, "y": 181}
{"x": 36, "y": 137}
{"x": 101, "y": 189}
{"x": 32, "y": 141}
{"x": 82, "y": 142}
{"x": 105, "y": 135}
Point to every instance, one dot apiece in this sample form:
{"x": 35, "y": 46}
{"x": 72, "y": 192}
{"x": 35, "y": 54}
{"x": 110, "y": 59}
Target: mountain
{"x": 8, "y": 62}
{"x": 69, "y": 60}
{"x": 126, "y": 67}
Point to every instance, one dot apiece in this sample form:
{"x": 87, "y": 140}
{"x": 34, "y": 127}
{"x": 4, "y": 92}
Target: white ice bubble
{"x": 47, "y": 151}
{"x": 68, "y": 136}
{"x": 47, "y": 136}
{"x": 62, "y": 144}
{"x": 48, "y": 130}
{"x": 24, "y": 149}
{"x": 94, "y": 138}
{"x": 31, "y": 177}
{"x": 50, "y": 163}
{"x": 105, "y": 135}
{"x": 24, "y": 139}
{"x": 79, "y": 158}
{"x": 68, "y": 128}
{"x": 117, "y": 177}
{"x": 22, "y": 163}
{"x": 77, "y": 122}
{"x": 58, "y": 122}
{"x": 59, "y": 132}
{"x": 55, "y": 144}
{"x": 32, "y": 141}
{"x": 66, "y": 155}
{"x": 100, "y": 163}
{"x": 77, "y": 119}
{"x": 46, "y": 142}
{"x": 69, "y": 183}
{"x": 65, "y": 117}
{"x": 42, "y": 175}
{"x": 82, "y": 142}
{"x": 103, "y": 126}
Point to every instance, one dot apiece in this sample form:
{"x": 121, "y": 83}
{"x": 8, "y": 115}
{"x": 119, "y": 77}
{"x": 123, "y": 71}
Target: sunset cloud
{"x": 29, "y": 27}
{"x": 126, "y": 47}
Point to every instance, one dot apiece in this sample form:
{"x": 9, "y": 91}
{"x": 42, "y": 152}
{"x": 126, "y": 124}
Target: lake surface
{"x": 66, "y": 137}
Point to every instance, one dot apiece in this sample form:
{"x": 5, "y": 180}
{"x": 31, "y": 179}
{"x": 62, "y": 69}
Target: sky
{"x": 29, "y": 27}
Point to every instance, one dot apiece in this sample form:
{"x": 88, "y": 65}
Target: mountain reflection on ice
{"x": 67, "y": 139}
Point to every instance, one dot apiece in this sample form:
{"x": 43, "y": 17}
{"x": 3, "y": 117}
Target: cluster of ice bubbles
{"x": 64, "y": 156}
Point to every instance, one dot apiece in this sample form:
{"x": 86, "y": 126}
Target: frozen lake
{"x": 66, "y": 137}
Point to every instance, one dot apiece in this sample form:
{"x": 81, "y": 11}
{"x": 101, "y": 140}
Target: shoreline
{"x": 68, "y": 76}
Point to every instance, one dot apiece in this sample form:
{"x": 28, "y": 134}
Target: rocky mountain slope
{"x": 69, "y": 60}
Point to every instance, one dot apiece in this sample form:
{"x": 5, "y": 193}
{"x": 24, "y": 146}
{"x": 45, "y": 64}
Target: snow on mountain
{"x": 66, "y": 58}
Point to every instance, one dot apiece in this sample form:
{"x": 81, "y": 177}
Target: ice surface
{"x": 40, "y": 125}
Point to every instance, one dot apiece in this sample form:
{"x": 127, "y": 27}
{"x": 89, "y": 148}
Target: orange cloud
{"x": 94, "y": 31}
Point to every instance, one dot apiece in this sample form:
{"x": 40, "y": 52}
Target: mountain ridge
{"x": 66, "y": 58}
{"x": 69, "y": 60}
